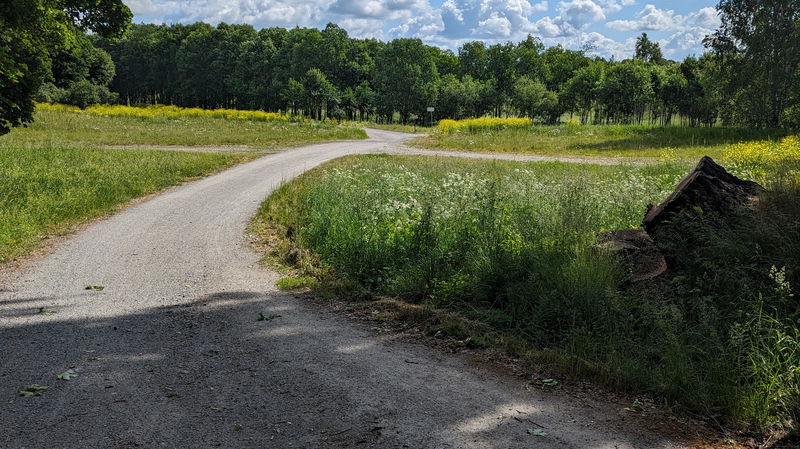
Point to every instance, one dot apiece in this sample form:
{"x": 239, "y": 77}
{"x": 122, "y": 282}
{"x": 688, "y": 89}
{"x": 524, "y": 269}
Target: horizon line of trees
{"x": 326, "y": 74}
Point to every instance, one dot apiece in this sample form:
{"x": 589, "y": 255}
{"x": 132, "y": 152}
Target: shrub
{"x": 476, "y": 125}
{"x": 49, "y": 93}
{"x": 82, "y": 94}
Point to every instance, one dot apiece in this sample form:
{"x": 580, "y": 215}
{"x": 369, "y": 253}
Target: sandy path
{"x": 170, "y": 353}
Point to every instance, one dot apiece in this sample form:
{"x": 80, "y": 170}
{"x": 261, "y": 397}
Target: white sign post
{"x": 430, "y": 111}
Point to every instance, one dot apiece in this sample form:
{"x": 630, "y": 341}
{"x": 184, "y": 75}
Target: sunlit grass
{"x": 46, "y": 190}
{"x": 672, "y": 142}
{"x": 483, "y": 124}
{"x": 513, "y": 246}
{"x": 57, "y": 126}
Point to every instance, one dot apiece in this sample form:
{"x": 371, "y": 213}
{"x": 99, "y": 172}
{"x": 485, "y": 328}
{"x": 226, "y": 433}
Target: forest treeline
{"x": 326, "y": 73}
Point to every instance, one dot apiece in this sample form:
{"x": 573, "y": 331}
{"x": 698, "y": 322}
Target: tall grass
{"x": 175, "y": 112}
{"x": 63, "y": 125}
{"x": 766, "y": 162}
{"x": 46, "y": 190}
{"x": 637, "y": 141}
{"x": 475, "y": 125}
{"x": 513, "y": 245}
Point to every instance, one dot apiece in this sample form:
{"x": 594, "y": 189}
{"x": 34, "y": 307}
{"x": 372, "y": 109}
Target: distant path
{"x": 171, "y": 354}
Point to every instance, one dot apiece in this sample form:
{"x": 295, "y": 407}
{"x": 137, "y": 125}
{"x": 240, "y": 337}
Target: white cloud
{"x": 706, "y": 18}
{"x": 579, "y": 13}
{"x": 685, "y": 42}
{"x": 574, "y": 17}
{"x": 610, "y": 6}
{"x": 425, "y": 24}
{"x": 377, "y": 9}
{"x": 651, "y": 18}
{"x": 571, "y": 23}
{"x": 494, "y": 26}
{"x": 258, "y": 13}
{"x": 597, "y": 43}
{"x": 607, "y": 47}
{"x": 489, "y": 18}
{"x": 363, "y": 28}
{"x": 687, "y": 31}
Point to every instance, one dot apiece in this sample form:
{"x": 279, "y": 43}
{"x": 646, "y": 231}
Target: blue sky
{"x": 609, "y": 26}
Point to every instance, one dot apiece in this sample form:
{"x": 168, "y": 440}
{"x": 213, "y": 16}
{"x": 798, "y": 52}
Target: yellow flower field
{"x": 170, "y": 112}
{"x": 765, "y": 160}
{"x": 474, "y": 125}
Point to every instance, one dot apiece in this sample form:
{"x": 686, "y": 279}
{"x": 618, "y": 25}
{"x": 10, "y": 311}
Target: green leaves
{"x": 35, "y": 29}
{"x": 32, "y": 390}
{"x": 68, "y": 375}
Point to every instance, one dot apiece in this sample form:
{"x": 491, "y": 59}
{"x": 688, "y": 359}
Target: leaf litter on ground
{"x": 32, "y": 390}
{"x": 68, "y": 375}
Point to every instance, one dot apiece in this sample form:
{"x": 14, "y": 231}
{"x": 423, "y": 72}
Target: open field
{"x": 46, "y": 190}
{"x": 59, "y": 126}
{"x": 54, "y": 174}
{"x": 513, "y": 245}
{"x": 597, "y": 140}
{"x": 188, "y": 320}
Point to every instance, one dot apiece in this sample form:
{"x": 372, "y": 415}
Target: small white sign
{"x": 430, "y": 109}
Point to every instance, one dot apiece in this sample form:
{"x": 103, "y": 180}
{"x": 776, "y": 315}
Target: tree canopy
{"x": 750, "y": 77}
{"x": 757, "y": 51}
{"x": 32, "y": 31}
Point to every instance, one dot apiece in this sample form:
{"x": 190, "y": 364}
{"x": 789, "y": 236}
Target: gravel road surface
{"x": 170, "y": 352}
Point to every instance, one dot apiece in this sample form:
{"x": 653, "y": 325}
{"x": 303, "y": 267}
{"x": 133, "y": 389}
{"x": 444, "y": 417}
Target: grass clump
{"x": 58, "y": 126}
{"x": 635, "y": 141}
{"x": 512, "y": 245}
{"x": 47, "y": 190}
{"x": 296, "y": 283}
{"x": 476, "y": 125}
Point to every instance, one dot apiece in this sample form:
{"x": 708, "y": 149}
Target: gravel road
{"x": 170, "y": 352}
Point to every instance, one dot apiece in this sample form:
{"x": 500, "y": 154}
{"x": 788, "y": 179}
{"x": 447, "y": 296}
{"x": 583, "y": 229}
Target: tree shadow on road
{"x": 248, "y": 369}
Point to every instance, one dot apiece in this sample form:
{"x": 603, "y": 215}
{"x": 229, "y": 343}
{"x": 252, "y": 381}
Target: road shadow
{"x": 249, "y": 369}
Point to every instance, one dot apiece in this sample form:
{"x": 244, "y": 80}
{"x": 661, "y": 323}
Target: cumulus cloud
{"x": 495, "y": 25}
{"x": 579, "y": 13}
{"x": 571, "y": 23}
{"x": 489, "y": 18}
{"x": 364, "y": 28}
{"x": 651, "y": 18}
{"x": 377, "y": 9}
{"x": 706, "y": 18}
{"x": 259, "y": 13}
{"x": 687, "y": 31}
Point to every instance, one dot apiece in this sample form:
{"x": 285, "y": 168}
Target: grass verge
{"x": 672, "y": 142}
{"x": 46, "y": 190}
{"x": 510, "y": 249}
